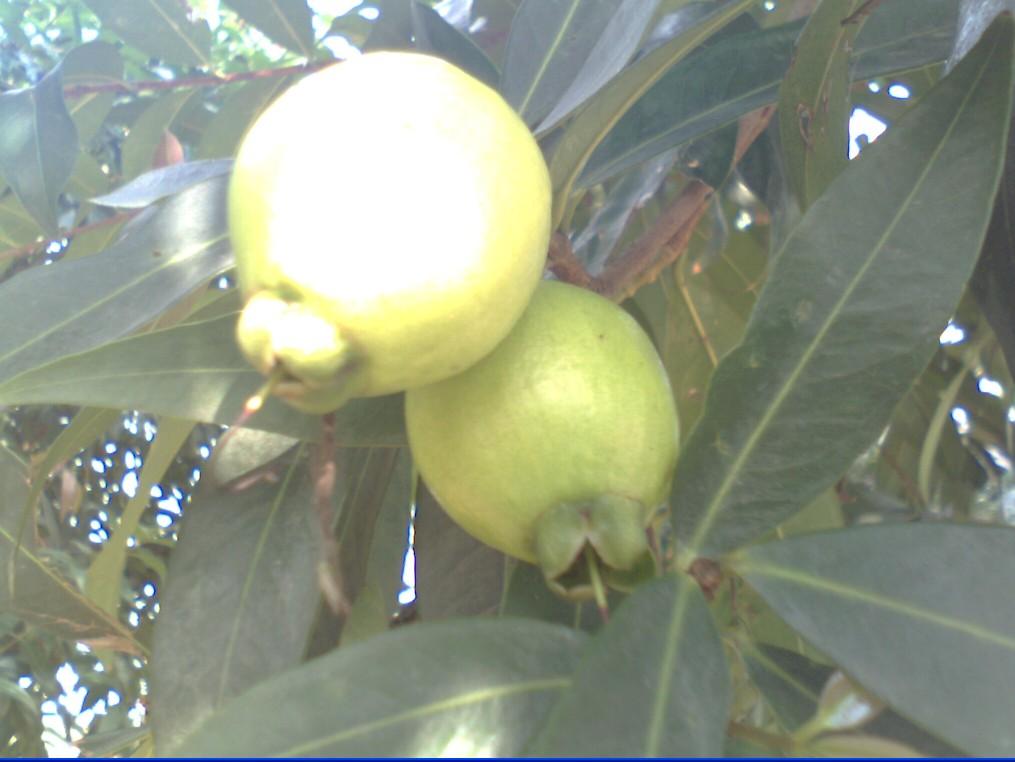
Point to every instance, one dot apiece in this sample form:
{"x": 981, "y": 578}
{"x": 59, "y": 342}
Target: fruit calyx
{"x": 304, "y": 352}
{"x": 610, "y": 528}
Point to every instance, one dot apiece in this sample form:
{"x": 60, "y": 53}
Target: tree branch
{"x": 29, "y": 248}
{"x": 665, "y": 241}
{"x": 210, "y": 80}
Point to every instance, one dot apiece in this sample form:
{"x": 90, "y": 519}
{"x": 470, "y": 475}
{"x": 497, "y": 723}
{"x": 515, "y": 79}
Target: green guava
{"x": 390, "y": 217}
{"x": 560, "y": 441}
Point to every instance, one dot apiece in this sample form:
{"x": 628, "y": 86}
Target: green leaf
{"x": 169, "y": 253}
{"x": 159, "y": 183}
{"x": 138, "y": 150}
{"x": 239, "y": 600}
{"x": 32, "y": 588}
{"x": 245, "y": 103}
{"x": 996, "y": 269}
{"x": 105, "y": 573}
{"x": 742, "y": 72}
{"x": 16, "y": 225}
{"x": 86, "y": 180}
{"x": 195, "y": 371}
{"x": 464, "y": 688}
{"x": 922, "y": 615}
{"x": 158, "y": 27}
{"x": 456, "y": 574}
{"x": 814, "y": 100}
{"x": 653, "y": 682}
{"x": 790, "y": 683}
{"x": 889, "y": 244}
{"x": 287, "y": 22}
{"x": 38, "y": 146}
{"x": 94, "y": 63}
{"x": 381, "y": 545}
{"x": 435, "y": 35}
{"x": 609, "y": 105}
{"x": 244, "y": 451}
{"x": 549, "y": 42}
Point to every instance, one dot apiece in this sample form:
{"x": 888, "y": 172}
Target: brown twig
{"x": 208, "y": 80}
{"x": 29, "y": 248}
{"x": 563, "y": 263}
{"x": 668, "y": 238}
{"x": 864, "y": 10}
{"x": 324, "y": 472}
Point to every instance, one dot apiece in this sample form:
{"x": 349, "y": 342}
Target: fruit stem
{"x": 598, "y": 588}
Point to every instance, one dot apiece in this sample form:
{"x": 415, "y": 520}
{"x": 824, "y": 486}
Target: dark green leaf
{"x": 549, "y": 43}
{"x": 158, "y": 27}
{"x": 742, "y": 72}
{"x": 287, "y": 22}
{"x": 653, "y": 682}
{"x": 889, "y": 244}
{"x": 195, "y": 371}
{"x": 170, "y": 253}
{"x": 993, "y": 281}
{"x": 435, "y": 35}
{"x": 239, "y": 600}
{"x": 38, "y": 146}
{"x": 456, "y": 574}
{"x": 814, "y": 100}
{"x": 602, "y": 113}
{"x": 790, "y": 683}
{"x": 16, "y": 225}
{"x": 920, "y": 614}
{"x": 618, "y": 40}
{"x": 33, "y": 589}
{"x": 159, "y": 183}
{"x": 465, "y": 688}
{"x": 388, "y": 538}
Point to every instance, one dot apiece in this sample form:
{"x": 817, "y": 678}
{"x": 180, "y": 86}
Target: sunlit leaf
{"x": 175, "y": 250}
{"x": 157, "y": 184}
{"x": 194, "y": 371}
{"x": 287, "y": 22}
{"x": 468, "y": 688}
{"x": 158, "y": 27}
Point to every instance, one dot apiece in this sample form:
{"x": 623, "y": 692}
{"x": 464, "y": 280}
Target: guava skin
{"x": 571, "y": 413}
{"x": 399, "y": 200}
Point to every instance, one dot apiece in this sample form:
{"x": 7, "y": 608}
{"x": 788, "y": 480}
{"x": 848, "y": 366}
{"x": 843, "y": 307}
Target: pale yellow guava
{"x": 390, "y": 217}
{"x": 566, "y": 435}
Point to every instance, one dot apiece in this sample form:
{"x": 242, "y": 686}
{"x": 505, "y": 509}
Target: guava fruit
{"x": 390, "y": 217}
{"x": 561, "y": 441}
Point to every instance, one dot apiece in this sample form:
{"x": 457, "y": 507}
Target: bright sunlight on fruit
{"x": 398, "y": 208}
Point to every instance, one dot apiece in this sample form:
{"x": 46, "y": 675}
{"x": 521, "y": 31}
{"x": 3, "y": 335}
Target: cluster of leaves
{"x": 801, "y": 340}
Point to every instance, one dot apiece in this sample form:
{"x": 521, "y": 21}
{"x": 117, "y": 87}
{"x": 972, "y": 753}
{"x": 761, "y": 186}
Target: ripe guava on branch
{"x": 390, "y": 217}
{"x": 563, "y": 439}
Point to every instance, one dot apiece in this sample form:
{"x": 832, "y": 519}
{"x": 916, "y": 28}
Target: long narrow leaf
{"x": 470, "y": 688}
{"x": 851, "y": 311}
{"x": 923, "y": 615}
